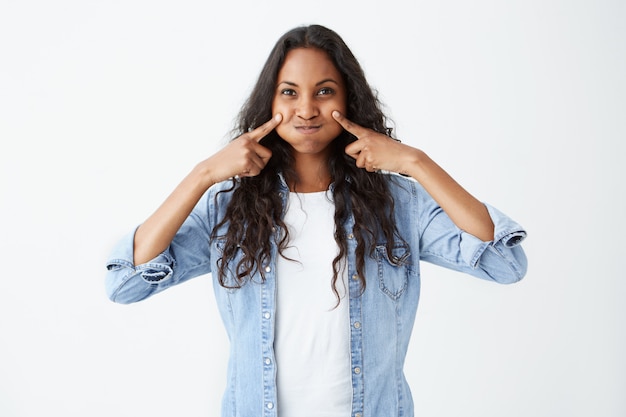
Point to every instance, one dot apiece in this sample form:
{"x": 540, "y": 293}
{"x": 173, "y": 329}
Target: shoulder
{"x": 401, "y": 186}
{"x": 216, "y": 199}
{"x": 409, "y": 193}
{"x": 223, "y": 187}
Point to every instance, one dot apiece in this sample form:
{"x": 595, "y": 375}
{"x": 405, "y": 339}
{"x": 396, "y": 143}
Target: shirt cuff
{"x": 507, "y": 234}
{"x": 155, "y": 271}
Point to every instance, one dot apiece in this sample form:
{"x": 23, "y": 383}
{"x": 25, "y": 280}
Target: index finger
{"x": 262, "y": 131}
{"x": 350, "y": 126}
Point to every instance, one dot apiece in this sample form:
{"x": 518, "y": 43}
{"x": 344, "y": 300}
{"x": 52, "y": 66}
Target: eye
{"x": 287, "y": 92}
{"x": 324, "y": 91}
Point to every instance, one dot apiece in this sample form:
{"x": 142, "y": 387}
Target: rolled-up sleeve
{"x": 187, "y": 256}
{"x": 501, "y": 260}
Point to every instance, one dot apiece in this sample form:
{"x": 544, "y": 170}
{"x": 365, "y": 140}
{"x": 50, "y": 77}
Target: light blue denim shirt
{"x": 381, "y": 318}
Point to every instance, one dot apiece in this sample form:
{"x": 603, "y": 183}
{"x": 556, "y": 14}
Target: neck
{"x": 312, "y": 175}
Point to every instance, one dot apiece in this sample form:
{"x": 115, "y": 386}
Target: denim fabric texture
{"x": 381, "y": 317}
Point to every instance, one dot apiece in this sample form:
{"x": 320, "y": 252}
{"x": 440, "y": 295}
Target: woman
{"x": 314, "y": 240}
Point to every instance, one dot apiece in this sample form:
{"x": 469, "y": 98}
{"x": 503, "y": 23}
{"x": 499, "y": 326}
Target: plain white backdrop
{"x": 106, "y": 105}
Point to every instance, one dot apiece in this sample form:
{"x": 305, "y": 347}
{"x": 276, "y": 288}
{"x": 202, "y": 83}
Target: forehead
{"x": 308, "y": 64}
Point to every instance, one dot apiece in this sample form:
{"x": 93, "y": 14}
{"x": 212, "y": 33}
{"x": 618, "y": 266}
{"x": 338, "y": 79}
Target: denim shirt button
{"x": 268, "y": 269}
{"x": 350, "y": 236}
{"x": 357, "y": 325}
{"x": 358, "y": 415}
{"x": 268, "y": 361}
{"x": 355, "y": 277}
{"x": 357, "y": 370}
{"x": 270, "y": 405}
{"x": 267, "y": 315}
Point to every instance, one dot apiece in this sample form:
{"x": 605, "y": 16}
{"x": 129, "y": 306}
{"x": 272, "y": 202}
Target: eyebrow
{"x": 326, "y": 80}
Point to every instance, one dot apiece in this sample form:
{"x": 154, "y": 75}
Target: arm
{"x": 465, "y": 210}
{"x": 244, "y": 156}
{"x": 374, "y": 151}
{"x": 168, "y": 248}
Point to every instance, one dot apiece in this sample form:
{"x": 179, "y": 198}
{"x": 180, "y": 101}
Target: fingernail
{"x": 278, "y": 117}
{"x": 335, "y": 113}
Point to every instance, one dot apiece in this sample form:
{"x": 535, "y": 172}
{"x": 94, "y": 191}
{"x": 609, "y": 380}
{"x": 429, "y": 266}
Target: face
{"x": 309, "y": 87}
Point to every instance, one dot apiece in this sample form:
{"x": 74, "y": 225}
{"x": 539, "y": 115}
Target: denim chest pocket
{"x": 393, "y": 269}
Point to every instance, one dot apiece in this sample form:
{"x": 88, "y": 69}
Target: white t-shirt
{"x": 312, "y": 341}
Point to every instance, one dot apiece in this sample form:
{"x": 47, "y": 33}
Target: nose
{"x": 306, "y": 108}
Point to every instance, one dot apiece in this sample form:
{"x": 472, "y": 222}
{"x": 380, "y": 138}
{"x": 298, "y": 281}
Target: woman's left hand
{"x": 375, "y": 151}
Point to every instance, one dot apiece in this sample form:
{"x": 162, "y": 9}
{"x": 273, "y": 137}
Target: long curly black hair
{"x": 255, "y": 212}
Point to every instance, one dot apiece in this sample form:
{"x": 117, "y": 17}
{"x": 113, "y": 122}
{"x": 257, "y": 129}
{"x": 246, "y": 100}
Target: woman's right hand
{"x": 243, "y": 157}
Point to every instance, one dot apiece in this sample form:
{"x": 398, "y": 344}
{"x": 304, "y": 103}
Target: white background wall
{"x": 106, "y": 105}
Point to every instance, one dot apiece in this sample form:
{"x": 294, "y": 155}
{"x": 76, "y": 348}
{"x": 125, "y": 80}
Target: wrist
{"x": 202, "y": 176}
{"x": 414, "y": 163}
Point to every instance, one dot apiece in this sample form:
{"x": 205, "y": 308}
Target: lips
{"x": 308, "y": 128}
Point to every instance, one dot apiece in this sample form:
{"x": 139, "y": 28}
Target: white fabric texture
{"x": 312, "y": 343}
